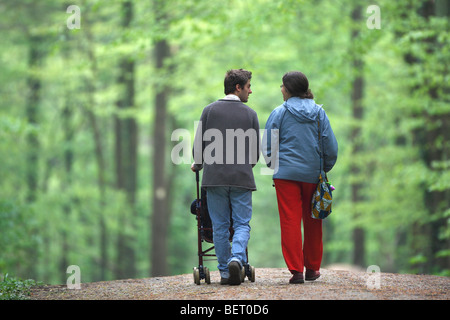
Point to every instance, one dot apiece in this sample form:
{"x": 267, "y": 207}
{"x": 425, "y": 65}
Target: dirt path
{"x": 270, "y": 284}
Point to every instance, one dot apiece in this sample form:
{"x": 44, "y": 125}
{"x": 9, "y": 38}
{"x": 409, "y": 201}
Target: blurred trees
{"x": 427, "y": 57}
{"x": 126, "y": 141}
{"x": 86, "y": 117}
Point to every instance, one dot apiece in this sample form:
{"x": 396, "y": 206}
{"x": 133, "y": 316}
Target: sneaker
{"x": 297, "y": 278}
{"x": 311, "y": 275}
{"x": 235, "y": 273}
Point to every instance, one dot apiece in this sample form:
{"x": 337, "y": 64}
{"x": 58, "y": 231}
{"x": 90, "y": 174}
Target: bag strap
{"x": 320, "y": 144}
{"x": 320, "y": 147}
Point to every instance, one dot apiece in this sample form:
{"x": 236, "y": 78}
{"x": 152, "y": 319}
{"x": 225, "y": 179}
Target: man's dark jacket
{"x": 226, "y": 144}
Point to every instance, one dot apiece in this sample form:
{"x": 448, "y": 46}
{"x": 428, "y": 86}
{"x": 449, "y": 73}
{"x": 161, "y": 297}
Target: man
{"x": 226, "y": 145}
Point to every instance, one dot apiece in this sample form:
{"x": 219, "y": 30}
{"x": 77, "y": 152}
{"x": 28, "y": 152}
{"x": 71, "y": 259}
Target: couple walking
{"x": 229, "y": 182}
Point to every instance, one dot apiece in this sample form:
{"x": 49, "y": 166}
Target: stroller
{"x": 205, "y": 234}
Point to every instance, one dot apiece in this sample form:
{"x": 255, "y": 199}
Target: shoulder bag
{"x": 322, "y": 197}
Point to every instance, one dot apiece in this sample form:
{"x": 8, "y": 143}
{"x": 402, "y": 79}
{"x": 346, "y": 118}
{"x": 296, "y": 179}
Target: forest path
{"x": 270, "y": 284}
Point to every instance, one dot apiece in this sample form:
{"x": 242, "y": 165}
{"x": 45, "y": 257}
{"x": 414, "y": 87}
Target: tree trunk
{"x": 68, "y": 161}
{"x": 357, "y": 111}
{"x": 35, "y": 56}
{"x": 160, "y": 204}
{"x": 99, "y": 152}
{"x": 32, "y": 110}
{"x": 126, "y": 158}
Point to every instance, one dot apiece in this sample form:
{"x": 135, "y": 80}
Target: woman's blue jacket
{"x": 296, "y": 156}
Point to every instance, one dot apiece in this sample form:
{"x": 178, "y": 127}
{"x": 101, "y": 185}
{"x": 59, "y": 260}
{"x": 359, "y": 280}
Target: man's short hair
{"x": 234, "y": 77}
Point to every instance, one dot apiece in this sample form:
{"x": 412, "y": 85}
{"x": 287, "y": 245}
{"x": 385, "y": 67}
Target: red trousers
{"x": 294, "y": 205}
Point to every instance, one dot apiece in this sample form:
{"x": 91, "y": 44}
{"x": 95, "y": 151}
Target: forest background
{"x": 91, "y": 94}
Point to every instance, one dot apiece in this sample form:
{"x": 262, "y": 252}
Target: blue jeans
{"x": 224, "y": 202}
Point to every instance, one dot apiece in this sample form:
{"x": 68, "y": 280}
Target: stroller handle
{"x": 198, "y": 187}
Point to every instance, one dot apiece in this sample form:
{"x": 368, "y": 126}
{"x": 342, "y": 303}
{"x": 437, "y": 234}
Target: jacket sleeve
{"x": 330, "y": 145}
{"x": 258, "y": 139}
{"x": 270, "y": 141}
{"x": 199, "y": 144}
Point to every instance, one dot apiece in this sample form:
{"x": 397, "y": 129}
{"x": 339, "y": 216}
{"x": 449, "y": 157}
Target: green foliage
{"x": 71, "y": 218}
{"x": 16, "y": 289}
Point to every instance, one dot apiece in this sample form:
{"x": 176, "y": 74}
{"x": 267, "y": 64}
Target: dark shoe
{"x": 311, "y": 275}
{"x": 297, "y": 278}
{"x": 235, "y": 273}
{"x": 223, "y": 280}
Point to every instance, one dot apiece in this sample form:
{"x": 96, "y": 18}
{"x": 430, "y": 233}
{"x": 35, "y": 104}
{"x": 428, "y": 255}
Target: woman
{"x": 296, "y": 124}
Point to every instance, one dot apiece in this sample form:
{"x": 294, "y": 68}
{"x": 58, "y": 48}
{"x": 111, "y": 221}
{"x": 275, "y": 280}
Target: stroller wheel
{"x": 243, "y": 273}
{"x": 196, "y": 276}
{"x": 251, "y": 276}
{"x": 207, "y": 276}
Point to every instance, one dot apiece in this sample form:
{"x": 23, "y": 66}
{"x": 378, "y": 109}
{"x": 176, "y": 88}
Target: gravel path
{"x": 270, "y": 284}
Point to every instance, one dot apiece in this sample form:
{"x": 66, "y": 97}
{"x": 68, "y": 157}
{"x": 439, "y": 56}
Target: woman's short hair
{"x": 234, "y": 77}
{"x": 297, "y": 85}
